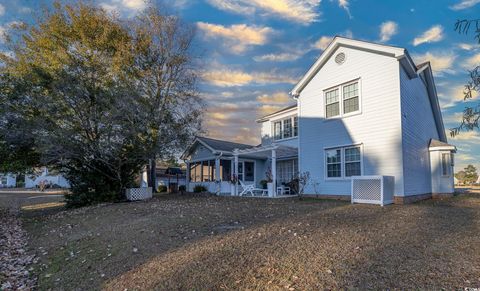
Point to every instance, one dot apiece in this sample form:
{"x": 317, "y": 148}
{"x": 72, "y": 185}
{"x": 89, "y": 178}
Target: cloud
{"x": 275, "y": 98}
{"x": 323, "y": 42}
{"x": 267, "y": 109}
{"x": 440, "y": 62}
{"x": 2, "y": 9}
{"x": 472, "y": 62}
{"x": 124, "y": 5}
{"x": 466, "y": 46}
{"x": 282, "y": 57}
{"x": 230, "y": 78}
{"x": 454, "y": 95}
{"x": 387, "y": 30}
{"x": 469, "y": 136}
{"x": 4, "y": 29}
{"x": 344, "y": 4}
{"x": 434, "y": 34}
{"x": 238, "y": 37}
{"x": 464, "y": 4}
{"x": 300, "y": 11}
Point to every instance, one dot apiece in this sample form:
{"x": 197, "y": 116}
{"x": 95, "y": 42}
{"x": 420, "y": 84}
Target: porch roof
{"x": 265, "y": 152}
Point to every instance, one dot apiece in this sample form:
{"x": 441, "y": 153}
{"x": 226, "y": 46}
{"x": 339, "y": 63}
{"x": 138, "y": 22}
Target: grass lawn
{"x": 176, "y": 242}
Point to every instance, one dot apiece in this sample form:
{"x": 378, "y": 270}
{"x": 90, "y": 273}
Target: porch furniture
{"x": 282, "y": 190}
{"x": 249, "y": 189}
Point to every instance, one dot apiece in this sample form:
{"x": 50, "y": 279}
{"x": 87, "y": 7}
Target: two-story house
{"x": 363, "y": 109}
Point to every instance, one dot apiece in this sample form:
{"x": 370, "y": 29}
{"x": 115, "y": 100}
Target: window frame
{"x": 342, "y": 161}
{"x": 341, "y": 100}
{"x": 281, "y": 121}
{"x": 446, "y": 163}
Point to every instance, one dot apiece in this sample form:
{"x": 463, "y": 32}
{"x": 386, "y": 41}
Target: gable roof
{"x": 266, "y": 117}
{"x": 215, "y": 146}
{"x": 401, "y": 54}
{"x": 338, "y": 41}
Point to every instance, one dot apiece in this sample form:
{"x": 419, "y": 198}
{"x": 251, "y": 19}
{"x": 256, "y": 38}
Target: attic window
{"x": 340, "y": 58}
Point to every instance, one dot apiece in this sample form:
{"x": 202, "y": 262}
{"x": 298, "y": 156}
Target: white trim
{"x": 341, "y": 109}
{"x": 281, "y": 121}
{"x": 342, "y": 162}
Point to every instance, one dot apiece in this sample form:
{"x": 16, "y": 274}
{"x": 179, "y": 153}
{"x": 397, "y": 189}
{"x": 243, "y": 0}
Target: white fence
{"x": 373, "y": 189}
{"x": 134, "y": 194}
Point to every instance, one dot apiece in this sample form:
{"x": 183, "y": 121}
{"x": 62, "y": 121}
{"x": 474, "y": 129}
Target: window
{"x": 445, "y": 164}
{"x": 343, "y": 162}
{"x": 286, "y": 171}
{"x": 295, "y": 126}
{"x": 352, "y": 162}
{"x": 334, "y": 163}
{"x": 350, "y": 100}
{"x": 285, "y": 128}
{"x": 225, "y": 170}
{"x": 277, "y": 130}
{"x": 332, "y": 103}
{"x": 240, "y": 171}
{"x": 249, "y": 171}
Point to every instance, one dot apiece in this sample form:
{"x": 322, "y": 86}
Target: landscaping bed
{"x": 184, "y": 242}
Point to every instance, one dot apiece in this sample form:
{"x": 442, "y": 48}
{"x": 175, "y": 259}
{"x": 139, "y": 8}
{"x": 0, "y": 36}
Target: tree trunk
{"x": 152, "y": 174}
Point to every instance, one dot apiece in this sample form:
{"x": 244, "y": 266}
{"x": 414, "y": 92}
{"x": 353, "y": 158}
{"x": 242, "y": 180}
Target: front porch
{"x": 246, "y": 172}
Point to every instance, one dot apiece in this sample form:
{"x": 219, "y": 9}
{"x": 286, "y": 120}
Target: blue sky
{"x": 252, "y": 52}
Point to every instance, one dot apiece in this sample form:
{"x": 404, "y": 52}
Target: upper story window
{"x": 285, "y": 128}
{"x": 349, "y": 103}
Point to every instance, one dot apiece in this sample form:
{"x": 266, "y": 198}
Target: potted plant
{"x": 233, "y": 183}
{"x": 269, "y": 179}
{"x": 263, "y": 183}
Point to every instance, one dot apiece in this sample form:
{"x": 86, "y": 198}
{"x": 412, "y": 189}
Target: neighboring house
{"x": 43, "y": 174}
{"x": 8, "y": 180}
{"x": 363, "y": 109}
{"x": 167, "y": 176}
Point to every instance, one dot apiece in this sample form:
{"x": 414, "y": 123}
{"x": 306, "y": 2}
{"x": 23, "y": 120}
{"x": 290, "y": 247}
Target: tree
{"x": 471, "y": 114}
{"x": 85, "y": 79}
{"x": 460, "y": 175}
{"x": 471, "y": 175}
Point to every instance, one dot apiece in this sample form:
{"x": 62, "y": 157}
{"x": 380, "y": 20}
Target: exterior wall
{"x": 34, "y": 181}
{"x": 267, "y": 130}
{"x": 165, "y": 181}
{"x": 440, "y": 184}
{"x": 201, "y": 153}
{"x": 377, "y": 127}
{"x": 418, "y": 127}
{"x": 9, "y": 179}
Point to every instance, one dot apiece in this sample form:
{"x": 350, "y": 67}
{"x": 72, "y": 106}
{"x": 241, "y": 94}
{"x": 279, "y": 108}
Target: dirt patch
{"x": 181, "y": 242}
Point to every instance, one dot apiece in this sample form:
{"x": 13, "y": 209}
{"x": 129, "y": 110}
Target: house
{"x": 362, "y": 110}
{"x": 170, "y": 177}
{"x": 44, "y": 175}
{"x": 8, "y": 180}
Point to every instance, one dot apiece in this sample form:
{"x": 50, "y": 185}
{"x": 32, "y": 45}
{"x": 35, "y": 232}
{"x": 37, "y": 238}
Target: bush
{"x": 162, "y": 188}
{"x": 199, "y": 189}
{"x": 182, "y": 188}
{"x": 20, "y": 184}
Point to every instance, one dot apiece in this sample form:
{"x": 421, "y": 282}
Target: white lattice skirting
{"x": 134, "y": 194}
{"x": 373, "y": 189}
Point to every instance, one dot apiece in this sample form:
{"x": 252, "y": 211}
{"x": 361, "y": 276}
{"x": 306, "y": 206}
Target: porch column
{"x": 187, "y": 177}
{"x": 235, "y": 170}
{"x": 274, "y": 172}
{"x": 217, "y": 175}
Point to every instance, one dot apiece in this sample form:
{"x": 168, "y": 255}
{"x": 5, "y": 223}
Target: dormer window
{"x": 285, "y": 128}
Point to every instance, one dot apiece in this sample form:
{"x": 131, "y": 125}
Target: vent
{"x": 340, "y": 58}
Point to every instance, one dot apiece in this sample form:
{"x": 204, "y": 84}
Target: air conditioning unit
{"x": 373, "y": 189}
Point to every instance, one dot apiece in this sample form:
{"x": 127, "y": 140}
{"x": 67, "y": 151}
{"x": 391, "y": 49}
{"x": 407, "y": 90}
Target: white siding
{"x": 418, "y": 127}
{"x": 440, "y": 184}
{"x": 378, "y": 127}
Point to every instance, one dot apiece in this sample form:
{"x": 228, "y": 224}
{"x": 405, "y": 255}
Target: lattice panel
{"x": 370, "y": 189}
{"x": 134, "y": 194}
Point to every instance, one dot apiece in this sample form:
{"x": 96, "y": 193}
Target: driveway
{"x": 14, "y": 199}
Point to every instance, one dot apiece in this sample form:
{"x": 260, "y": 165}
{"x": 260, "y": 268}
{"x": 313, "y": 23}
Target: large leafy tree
{"x": 96, "y": 101}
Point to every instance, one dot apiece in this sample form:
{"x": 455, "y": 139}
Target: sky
{"x": 252, "y": 52}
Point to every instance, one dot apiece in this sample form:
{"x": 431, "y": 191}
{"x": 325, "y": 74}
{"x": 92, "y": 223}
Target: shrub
{"x": 182, "y": 188}
{"x": 162, "y": 188}
{"x": 199, "y": 189}
{"x": 264, "y": 183}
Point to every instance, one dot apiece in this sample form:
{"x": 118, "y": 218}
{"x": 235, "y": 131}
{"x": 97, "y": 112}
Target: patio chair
{"x": 249, "y": 189}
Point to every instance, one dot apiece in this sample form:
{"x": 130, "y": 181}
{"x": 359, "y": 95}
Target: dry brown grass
{"x": 237, "y": 243}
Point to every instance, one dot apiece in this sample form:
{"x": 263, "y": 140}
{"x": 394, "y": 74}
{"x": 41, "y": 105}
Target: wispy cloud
{"x": 2, "y": 9}
{"x": 275, "y": 98}
{"x": 345, "y": 5}
{"x": 230, "y": 78}
{"x": 434, "y": 34}
{"x": 129, "y": 6}
{"x": 472, "y": 62}
{"x": 322, "y": 43}
{"x": 441, "y": 62}
{"x": 453, "y": 95}
{"x": 237, "y": 37}
{"x": 281, "y": 57}
{"x": 300, "y": 11}
{"x": 387, "y": 30}
{"x": 464, "y": 4}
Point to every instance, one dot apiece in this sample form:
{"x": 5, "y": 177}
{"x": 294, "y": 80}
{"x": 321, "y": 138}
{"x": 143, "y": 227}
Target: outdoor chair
{"x": 250, "y": 189}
